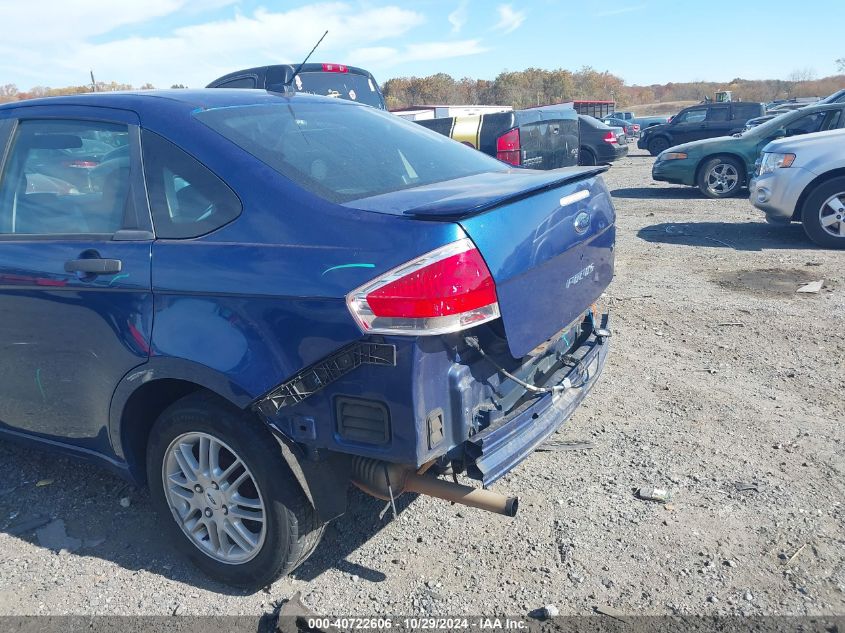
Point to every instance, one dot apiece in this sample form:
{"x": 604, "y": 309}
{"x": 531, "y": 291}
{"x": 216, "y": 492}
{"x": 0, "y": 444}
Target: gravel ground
{"x": 719, "y": 373}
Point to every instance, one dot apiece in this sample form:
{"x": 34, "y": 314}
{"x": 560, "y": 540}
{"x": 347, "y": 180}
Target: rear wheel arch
{"x": 810, "y": 188}
{"x": 586, "y": 156}
{"x": 324, "y": 483}
{"x": 140, "y": 412}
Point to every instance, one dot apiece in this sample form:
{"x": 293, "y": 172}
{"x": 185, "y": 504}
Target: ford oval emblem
{"x": 582, "y": 222}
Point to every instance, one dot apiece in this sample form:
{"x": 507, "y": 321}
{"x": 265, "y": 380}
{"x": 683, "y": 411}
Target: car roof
{"x": 177, "y": 99}
{"x": 809, "y": 109}
{"x": 310, "y": 67}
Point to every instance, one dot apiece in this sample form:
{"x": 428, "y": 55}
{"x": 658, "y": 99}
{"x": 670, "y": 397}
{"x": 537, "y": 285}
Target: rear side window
{"x": 240, "y": 82}
{"x": 717, "y": 114}
{"x": 344, "y": 152}
{"x": 745, "y": 111}
{"x": 186, "y": 198}
{"x": 65, "y": 178}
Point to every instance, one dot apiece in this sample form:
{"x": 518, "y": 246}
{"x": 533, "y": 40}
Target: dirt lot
{"x": 720, "y": 373}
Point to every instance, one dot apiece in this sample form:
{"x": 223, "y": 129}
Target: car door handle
{"x": 94, "y": 266}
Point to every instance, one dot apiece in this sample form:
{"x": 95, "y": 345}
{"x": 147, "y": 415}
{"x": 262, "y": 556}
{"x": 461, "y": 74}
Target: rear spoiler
{"x": 456, "y": 209}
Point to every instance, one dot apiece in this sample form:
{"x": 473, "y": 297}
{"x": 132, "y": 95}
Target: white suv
{"x": 802, "y": 179}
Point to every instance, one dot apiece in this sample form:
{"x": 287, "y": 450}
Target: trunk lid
{"x": 548, "y": 239}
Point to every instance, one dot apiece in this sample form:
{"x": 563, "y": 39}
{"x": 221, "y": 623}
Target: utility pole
{"x": 93, "y": 83}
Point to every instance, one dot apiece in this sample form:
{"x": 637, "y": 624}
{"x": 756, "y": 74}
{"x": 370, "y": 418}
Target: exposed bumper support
{"x": 498, "y": 449}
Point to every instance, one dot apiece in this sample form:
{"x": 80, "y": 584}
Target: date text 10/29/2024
{"x": 418, "y": 624}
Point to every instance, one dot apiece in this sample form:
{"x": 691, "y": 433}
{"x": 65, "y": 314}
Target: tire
{"x": 255, "y": 553}
{"x": 826, "y": 204}
{"x": 586, "y": 157}
{"x": 657, "y": 145}
{"x": 720, "y": 177}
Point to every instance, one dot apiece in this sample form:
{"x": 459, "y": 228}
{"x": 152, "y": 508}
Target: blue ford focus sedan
{"x": 249, "y": 300}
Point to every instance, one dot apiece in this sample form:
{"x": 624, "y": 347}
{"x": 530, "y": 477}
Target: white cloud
{"x": 509, "y": 20}
{"x": 459, "y": 16}
{"x": 195, "y": 54}
{"x": 381, "y": 57}
{"x": 442, "y": 50}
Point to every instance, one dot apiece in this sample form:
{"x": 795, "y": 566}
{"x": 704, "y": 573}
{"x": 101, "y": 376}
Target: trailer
{"x": 597, "y": 109}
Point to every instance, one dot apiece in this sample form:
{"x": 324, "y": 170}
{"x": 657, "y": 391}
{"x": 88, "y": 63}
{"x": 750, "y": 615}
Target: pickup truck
{"x": 642, "y": 121}
{"x": 537, "y": 138}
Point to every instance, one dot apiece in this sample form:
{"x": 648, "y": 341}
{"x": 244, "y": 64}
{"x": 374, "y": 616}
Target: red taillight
{"x": 610, "y": 137}
{"x": 446, "y": 290}
{"x": 335, "y": 68}
{"x": 635, "y": 127}
{"x": 508, "y": 147}
{"x": 81, "y": 164}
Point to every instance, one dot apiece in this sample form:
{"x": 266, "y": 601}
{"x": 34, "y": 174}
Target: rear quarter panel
{"x": 264, "y": 296}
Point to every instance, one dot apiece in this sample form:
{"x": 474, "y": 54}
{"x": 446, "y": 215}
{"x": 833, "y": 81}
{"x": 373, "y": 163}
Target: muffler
{"x": 380, "y": 479}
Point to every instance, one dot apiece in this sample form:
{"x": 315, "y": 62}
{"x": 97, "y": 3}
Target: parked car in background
{"x": 270, "y": 297}
{"x": 632, "y": 130}
{"x": 642, "y": 121}
{"x": 750, "y": 123}
{"x": 803, "y": 180}
{"x": 650, "y": 121}
{"x": 600, "y": 143}
{"x": 705, "y": 120}
{"x": 790, "y": 106}
{"x": 721, "y": 166}
{"x": 328, "y": 80}
{"x": 537, "y": 138}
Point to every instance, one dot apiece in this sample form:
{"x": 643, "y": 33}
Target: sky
{"x": 164, "y": 42}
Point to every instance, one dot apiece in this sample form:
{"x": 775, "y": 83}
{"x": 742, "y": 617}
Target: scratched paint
{"x": 117, "y": 277}
{"x": 40, "y": 386}
{"x": 342, "y": 266}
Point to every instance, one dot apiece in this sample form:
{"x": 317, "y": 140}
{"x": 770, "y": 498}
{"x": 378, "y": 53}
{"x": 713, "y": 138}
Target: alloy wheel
{"x": 832, "y": 216}
{"x": 214, "y": 498}
{"x": 722, "y": 179}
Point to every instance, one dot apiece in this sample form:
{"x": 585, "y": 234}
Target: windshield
{"x": 343, "y": 152}
{"x": 351, "y": 86}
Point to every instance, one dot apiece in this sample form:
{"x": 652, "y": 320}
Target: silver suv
{"x": 802, "y": 179}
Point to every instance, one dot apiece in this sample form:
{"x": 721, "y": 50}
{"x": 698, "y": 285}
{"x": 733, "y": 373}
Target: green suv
{"x": 720, "y": 167}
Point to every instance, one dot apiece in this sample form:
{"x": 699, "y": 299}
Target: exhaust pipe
{"x": 379, "y": 479}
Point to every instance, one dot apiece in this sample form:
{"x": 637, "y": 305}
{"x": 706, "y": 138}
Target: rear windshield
{"x": 343, "y": 152}
{"x": 351, "y": 86}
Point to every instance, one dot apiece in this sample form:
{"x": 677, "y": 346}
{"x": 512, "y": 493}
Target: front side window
{"x": 186, "y": 198}
{"x": 691, "y": 116}
{"x": 345, "y": 152}
{"x": 65, "y": 178}
{"x": 806, "y": 124}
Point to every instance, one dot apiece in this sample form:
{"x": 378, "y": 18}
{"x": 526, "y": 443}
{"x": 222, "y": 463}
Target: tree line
{"x": 10, "y": 92}
{"x": 536, "y": 86}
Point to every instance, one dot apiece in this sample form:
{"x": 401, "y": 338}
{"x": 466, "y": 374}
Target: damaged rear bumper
{"x": 496, "y": 450}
